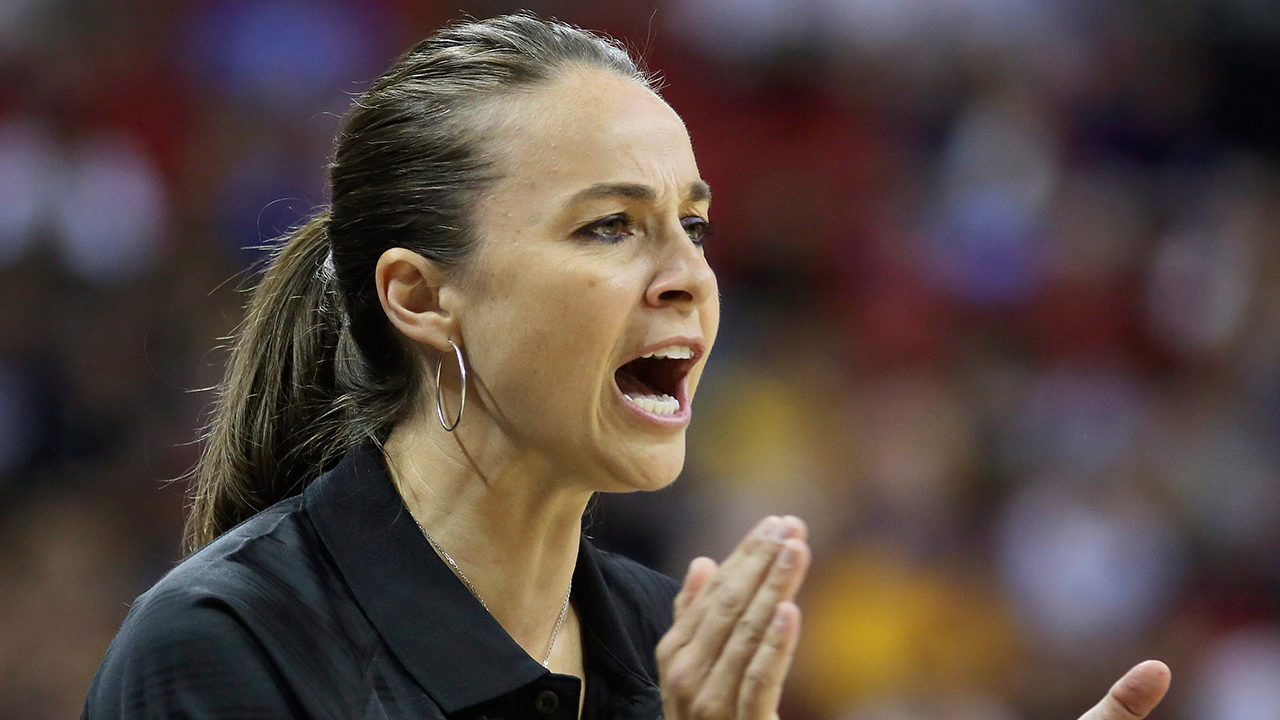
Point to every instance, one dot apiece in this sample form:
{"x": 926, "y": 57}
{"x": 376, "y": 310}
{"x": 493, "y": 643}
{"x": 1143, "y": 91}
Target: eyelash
{"x": 702, "y": 224}
{"x": 592, "y": 230}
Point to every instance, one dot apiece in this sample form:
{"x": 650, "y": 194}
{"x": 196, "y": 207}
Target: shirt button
{"x": 547, "y": 702}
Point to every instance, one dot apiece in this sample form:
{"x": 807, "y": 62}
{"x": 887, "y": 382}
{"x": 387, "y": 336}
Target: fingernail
{"x": 787, "y": 527}
{"x": 769, "y": 528}
{"x": 779, "y": 619}
{"x": 788, "y": 557}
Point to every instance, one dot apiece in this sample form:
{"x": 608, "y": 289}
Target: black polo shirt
{"x": 332, "y": 604}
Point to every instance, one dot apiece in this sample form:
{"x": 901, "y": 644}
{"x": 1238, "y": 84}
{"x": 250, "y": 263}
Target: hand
{"x": 735, "y": 629}
{"x": 1135, "y": 695}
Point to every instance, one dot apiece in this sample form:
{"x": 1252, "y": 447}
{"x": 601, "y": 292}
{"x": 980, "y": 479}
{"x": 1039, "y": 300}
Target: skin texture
{"x": 545, "y": 313}
{"x": 551, "y": 304}
{"x": 736, "y": 627}
{"x": 1135, "y": 694}
{"x": 552, "y": 317}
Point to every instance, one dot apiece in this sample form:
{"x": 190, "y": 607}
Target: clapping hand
{"x": 736, "y": 626}
{"x": 1134, "y": 695}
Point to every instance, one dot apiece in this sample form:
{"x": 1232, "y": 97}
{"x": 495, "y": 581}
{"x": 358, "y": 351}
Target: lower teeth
{"x": 656, "y": 404}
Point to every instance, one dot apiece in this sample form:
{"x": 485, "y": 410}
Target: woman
{"x": 505, "y": 310}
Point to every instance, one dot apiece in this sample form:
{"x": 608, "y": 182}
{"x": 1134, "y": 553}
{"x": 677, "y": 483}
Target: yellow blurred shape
{"x": 877, "y": 626}
{"x": 763, "y": 431}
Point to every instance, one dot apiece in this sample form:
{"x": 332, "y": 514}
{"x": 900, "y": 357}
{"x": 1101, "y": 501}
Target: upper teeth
{"x": 674, "y": 352}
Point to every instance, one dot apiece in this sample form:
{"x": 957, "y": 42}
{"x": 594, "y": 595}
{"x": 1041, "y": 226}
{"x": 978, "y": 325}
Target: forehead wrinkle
{"x": 699, "y": 191}
{"x": 541, "y": 139}
{"x": 628, "y": 191}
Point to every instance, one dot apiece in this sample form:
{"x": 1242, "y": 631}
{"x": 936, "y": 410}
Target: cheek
{"x": 711, "y": 315}
{"x": 541, "y": 344}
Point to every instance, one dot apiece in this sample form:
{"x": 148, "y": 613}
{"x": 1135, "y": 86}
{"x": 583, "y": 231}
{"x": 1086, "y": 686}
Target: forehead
{"x": 585, "y": 127}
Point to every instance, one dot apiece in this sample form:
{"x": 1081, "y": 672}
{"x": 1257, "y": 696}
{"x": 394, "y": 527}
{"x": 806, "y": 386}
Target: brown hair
{"x": 316, "y": 366}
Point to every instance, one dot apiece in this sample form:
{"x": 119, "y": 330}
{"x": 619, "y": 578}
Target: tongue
{"x": 630, "y": 384}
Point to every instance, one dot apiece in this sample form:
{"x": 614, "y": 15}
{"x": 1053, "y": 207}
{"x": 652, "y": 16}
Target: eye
{"x": 613, "y": 228}
{"x": 698, "y": 229}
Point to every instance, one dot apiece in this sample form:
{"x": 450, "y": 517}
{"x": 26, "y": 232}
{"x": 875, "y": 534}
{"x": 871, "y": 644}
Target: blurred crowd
{"x": 1001, "y": 288}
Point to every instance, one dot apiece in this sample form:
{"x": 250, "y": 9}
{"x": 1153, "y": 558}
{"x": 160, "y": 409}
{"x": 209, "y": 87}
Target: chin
{"x": 648, "y": 469}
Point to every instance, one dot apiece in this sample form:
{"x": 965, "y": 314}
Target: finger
{"x": 734, "y": 581}
{"x": 728, "y": 592}
{"x": 727, "y": 608}
{"x": 780, "y": 585}
{"x": 794, "y": 527}
{"x": 1135, "y": 695}
{"x": 753, "y": 554}
{"x": 762, "y": 682}
{"x": 700, "y": 571}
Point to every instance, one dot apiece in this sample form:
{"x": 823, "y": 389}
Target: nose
{"x": 682, "y": 279}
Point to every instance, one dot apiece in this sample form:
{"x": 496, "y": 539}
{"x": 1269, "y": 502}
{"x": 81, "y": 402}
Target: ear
{"x": 409, "y": 289}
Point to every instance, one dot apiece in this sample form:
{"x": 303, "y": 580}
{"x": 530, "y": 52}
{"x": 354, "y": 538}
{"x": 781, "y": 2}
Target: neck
{"x": 509, "y": 523}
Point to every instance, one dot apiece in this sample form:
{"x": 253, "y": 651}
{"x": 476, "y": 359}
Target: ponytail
{"x": 276, "y": 422}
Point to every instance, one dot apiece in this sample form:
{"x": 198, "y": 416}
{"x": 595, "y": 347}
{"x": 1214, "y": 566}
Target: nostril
{"x": 675, "y": 296}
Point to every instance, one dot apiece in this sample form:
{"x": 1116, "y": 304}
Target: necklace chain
{"x": 564, "y": 607}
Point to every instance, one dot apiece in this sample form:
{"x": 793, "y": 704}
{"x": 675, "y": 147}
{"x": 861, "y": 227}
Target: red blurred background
{"x": 1002, "y": 321}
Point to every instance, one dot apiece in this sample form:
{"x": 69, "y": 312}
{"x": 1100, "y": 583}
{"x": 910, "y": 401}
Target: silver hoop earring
{"x": 462, "y": 402}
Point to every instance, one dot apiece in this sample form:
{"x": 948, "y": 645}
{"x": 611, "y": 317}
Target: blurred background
{"x": 1001, "y": 320}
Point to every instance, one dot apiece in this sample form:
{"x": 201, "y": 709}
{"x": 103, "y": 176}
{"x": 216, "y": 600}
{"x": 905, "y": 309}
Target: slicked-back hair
{"x": 316, "y": 366}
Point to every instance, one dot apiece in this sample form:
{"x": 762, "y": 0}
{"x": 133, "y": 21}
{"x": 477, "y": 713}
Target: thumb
{"x": 1134, "y": 695}
{"x": 700, "y": 571}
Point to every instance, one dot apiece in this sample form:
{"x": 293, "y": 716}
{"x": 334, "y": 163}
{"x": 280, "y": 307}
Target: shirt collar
{"x": 634, "y": 694}
{"x": 448, "y": 642}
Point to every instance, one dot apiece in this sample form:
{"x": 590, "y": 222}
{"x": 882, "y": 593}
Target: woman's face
{"x": 590, "y": 259}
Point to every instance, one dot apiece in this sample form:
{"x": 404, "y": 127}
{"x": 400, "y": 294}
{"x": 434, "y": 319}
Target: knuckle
{"x": 749, "y": 628}
{"x": 728, "y": 604}
{"x": 666, "y": 648}
{"x": 780, "y": 577}
{"x": 708, "y": 708}
{"x": 756, "y": 679}
{"x": 775, "y": 641}
{"x": 714, "y": 586}
{"x": 681, "y": 679}
{"x": 1115, "y": 708}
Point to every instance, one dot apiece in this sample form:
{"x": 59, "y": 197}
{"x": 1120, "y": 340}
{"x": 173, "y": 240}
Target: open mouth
{"x": 655, "y": 383}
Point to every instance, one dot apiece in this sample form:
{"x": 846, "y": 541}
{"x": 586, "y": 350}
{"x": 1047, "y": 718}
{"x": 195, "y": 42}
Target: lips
{"x": 654, "y": 381}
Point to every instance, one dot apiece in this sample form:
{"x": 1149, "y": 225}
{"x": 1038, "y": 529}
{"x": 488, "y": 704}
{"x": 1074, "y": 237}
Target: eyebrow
{"x": 698, "y": 191}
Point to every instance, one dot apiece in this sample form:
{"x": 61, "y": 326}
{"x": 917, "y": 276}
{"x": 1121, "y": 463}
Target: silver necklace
{"x": 564, "y": 607}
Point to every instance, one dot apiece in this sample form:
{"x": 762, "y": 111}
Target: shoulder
{"x": 643, "y": 596}
{"x": 266, "y": 569}
{"x": 233, "y": 630}
{"x": 631, "y": 580}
